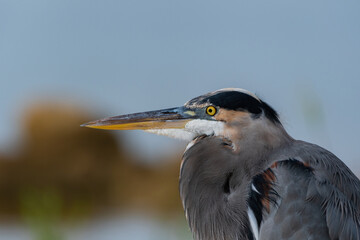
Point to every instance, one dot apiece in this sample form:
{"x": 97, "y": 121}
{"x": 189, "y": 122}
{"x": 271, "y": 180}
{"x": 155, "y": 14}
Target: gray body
{"x": 244, "y": 178}
{"x": 319, "y": 202}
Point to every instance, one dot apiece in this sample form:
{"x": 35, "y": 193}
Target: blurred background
{"x": 63, "y": 63}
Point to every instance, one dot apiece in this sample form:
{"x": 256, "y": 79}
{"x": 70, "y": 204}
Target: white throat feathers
{"x": 192, "y": 129}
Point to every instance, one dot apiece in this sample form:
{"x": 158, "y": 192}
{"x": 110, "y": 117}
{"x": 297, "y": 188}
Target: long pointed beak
{"x": 160, "y": 119}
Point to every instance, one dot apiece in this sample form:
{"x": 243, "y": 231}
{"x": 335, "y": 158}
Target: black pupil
{"x": 210, "y": 110}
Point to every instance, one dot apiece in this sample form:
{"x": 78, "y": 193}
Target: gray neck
{"x": 213, "y": 198}
{"x": 257, "y": 142}
{"x": 215, "y": 181}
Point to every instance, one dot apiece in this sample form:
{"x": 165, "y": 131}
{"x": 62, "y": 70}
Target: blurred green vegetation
{"x": 41, "y": 211}
{"x": 314, "y": 114}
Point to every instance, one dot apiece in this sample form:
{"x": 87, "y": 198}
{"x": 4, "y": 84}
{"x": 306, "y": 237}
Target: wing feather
{"x": 335, "y": 184}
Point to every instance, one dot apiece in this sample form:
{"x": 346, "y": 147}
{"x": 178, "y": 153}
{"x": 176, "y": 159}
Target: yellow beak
{"x": 160, "y": 119}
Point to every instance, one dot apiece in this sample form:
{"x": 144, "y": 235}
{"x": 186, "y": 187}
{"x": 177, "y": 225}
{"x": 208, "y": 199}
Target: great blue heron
{"x": 243, "y": 177}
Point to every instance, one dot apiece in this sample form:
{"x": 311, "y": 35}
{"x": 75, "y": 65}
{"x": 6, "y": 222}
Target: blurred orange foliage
{"x": 88, "y": 169}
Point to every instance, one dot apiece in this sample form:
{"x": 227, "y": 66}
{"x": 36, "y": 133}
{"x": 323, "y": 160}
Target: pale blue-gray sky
{"x": 128, "y": 56}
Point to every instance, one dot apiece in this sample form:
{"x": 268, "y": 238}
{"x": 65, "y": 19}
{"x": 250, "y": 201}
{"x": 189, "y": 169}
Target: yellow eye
{"x": 211, "y": 110}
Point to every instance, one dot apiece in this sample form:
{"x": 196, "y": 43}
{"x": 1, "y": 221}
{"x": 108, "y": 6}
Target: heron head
{"x": 224, "y": 113}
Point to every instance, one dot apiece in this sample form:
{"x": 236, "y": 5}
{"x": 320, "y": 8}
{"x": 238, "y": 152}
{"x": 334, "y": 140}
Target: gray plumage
{"x": 244, "y": 178}
{"x": 321, "y": 201}
{"x": 313, "y": 194}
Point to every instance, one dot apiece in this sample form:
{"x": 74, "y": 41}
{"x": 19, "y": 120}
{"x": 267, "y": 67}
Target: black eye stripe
{"x": 237, "y": 101}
